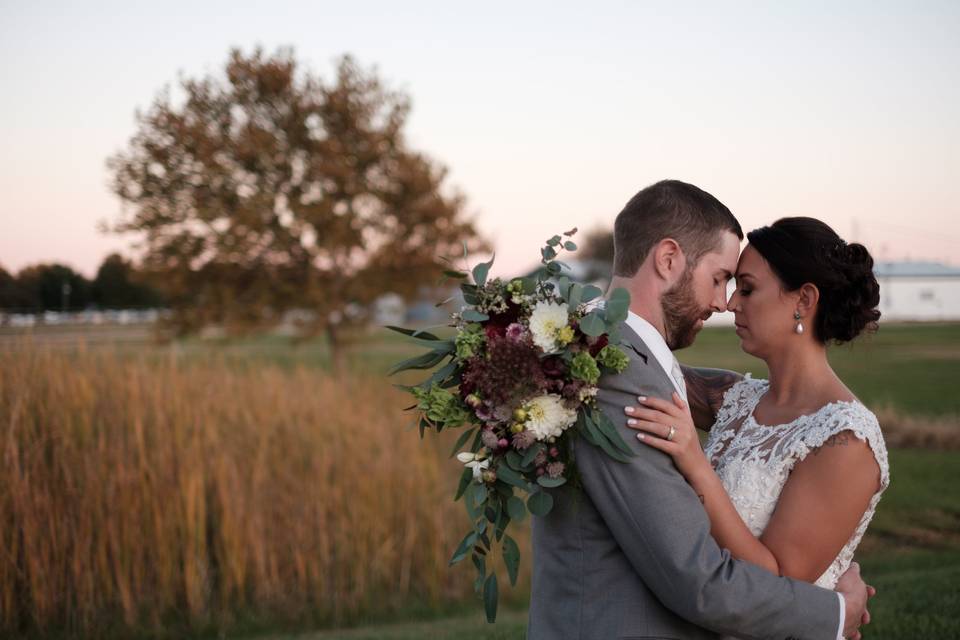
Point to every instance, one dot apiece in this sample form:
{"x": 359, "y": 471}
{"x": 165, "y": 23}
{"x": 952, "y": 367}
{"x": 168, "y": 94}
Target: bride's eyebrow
{"x": 741, "y": 276}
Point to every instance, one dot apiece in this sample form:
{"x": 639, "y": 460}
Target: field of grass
{"x": 237, "y": 488}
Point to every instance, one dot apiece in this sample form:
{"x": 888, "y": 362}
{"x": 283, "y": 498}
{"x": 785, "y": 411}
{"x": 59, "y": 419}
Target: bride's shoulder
{"x": 836, "y": 420}
{"x": 741, "y": 395}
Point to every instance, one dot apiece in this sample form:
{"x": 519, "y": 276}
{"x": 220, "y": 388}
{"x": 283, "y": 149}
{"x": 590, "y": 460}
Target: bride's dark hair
{"x": 801, "y": 250}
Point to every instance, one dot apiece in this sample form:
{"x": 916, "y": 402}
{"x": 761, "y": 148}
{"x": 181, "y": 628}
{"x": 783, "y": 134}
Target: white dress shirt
{"x": 668, "y": 362}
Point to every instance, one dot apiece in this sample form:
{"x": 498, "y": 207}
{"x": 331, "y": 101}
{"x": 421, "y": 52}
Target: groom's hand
{"x": 855, "y": 594}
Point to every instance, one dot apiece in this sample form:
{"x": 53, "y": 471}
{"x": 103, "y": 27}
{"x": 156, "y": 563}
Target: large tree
{"x": 272, "y": 189}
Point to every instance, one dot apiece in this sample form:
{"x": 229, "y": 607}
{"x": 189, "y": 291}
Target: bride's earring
{"x": 799, "y": 328}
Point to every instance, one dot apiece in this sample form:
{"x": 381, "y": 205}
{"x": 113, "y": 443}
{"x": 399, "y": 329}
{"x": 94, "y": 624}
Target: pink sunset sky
{"x": 549, "y": 116}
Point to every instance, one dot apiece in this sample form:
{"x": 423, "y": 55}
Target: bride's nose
{"x": 732, "y": 302}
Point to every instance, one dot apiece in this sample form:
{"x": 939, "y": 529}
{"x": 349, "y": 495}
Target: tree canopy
{"x": 270, "y": 188}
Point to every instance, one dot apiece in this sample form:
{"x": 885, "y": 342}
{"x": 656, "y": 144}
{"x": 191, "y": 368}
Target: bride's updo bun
{"x": 801, "y": 250}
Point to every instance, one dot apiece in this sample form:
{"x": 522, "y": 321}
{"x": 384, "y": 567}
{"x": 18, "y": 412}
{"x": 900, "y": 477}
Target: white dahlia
{"x": 546, "y": 320}
{"x": 547, "y": 417}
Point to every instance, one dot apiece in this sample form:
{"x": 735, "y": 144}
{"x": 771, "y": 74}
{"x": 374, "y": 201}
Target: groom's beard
{"x": 681, "y": 313}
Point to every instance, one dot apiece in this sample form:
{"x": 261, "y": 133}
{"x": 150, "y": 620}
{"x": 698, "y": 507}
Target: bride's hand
{"x": 656, "y": 418}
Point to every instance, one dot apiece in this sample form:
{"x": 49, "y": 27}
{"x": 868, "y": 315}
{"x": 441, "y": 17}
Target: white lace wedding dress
{"x": 754, "y": 460}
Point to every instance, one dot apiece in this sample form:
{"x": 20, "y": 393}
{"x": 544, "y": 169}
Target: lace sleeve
{"x": 842, "y": 416}
{"x": 739, "y": 399}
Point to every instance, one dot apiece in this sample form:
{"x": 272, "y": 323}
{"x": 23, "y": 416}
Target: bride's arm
{"x": 705, "y": 389}
{"x": 818, "y": 510}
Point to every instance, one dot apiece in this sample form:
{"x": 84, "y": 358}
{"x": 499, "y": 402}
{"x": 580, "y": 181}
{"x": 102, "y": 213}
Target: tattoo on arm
{"x": 705, "y": 389}
{"x": 837, "y": 440}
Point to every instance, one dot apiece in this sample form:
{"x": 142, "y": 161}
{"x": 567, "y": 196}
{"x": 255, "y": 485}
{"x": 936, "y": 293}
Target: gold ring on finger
{"x": 671, "y": 433}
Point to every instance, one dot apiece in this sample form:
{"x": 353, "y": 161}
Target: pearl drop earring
{"x": 799, "y": 328}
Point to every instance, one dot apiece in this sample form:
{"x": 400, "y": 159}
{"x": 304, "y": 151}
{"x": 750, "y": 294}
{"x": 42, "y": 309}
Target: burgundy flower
{"x": 553, "y": 367}
{"x": 596, "y": 344}
{"x": 510, "y": 373}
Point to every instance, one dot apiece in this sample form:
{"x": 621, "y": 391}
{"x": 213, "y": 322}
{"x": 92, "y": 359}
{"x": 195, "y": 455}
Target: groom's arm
{"x": 659, "y": 523}
{"x": 705, "y": 391}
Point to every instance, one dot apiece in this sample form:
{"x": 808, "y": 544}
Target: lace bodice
{"x": 754, "y": 460}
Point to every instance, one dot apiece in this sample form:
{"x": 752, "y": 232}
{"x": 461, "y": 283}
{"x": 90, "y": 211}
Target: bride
{"x": 794, "y": 466}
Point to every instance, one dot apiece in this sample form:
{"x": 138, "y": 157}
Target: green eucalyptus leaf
{"x": 511, "y": 557}
{"x": 424, "y": 361}
{"x": 569, "y": 245}
{"x": 490, "y": 597}
{"x": 464, "y": 547}
{"x": 481, "y": 270}
{"x": 608, "y": 429}
{"x": 514, "y": 460}
{"x": 617, "y": 306}
{"x": 462, "y": 440}
{"x": 592, "y": 324}
{"x": 591, "y": 292}
{"x": 550, "y": 483}
{"x": 531, "y": 453}
{"x": 516, "y": 509}
{"x": 540, "y": 503}
{"x": 508, "y": 475}
{"x": 459, "y": 275}
{"x": 465, "y": 479}
{"x": 472, "y": 315}
{"x": 415, "y": 333}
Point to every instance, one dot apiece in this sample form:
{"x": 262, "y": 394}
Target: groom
{"x": 629, "y": 555}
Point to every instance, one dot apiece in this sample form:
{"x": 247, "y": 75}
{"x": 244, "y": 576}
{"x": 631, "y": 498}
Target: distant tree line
{"x": 57, "y": 287}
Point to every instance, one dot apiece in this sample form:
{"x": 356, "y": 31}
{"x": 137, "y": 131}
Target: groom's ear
{"x": 668, "y": 259}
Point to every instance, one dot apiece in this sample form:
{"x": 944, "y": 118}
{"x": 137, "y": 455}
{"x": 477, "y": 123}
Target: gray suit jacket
{"x": 630, "y": 554}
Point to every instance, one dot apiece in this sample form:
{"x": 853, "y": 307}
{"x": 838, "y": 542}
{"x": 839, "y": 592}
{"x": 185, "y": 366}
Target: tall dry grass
{"x": 143, "y": 494}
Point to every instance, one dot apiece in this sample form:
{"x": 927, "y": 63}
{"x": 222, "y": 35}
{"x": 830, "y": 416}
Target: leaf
{"x": 462, "y": 440}
{"x": 600, "y": 440}
{"x": 439, "y": 375}
{"x": 531, "y": 454}
{"x": 516, "y": 509}
{"x": 548, "y": 253}
{"x": 608, "y": 429}
{"x": 472, "y": 315}
{"x": 592, "y": 324}
{"x": 553, "y": 268}
{"x": 480, "y": 495}
{"x": 490, "y": 597}
{"x": 574, "y": 295}
{"x": 617, "y": 306}
{"x": 480, "y": 562}
{"x": 414, "y": 333}
{"x": 540, "y": 503}
{"x": 550, "y": 483}
{"x": 511, "y": 557}
{"x": 569, "y": 245}
{"x": 554, "y": 241}
{"x": 481, "y": 270}
{"x": 510, "y": 476}
{"x": 570, "y": 233}
{"x": 463, "y": 548}
{"x": 459, "y": 275}
{"x": 465, "y": 478}
{"x": 470, "y": 502}
{"x": 425, "y": 361}
{"x": 529, "y": 285}
{"x": 514, "y": 460}
{"x": 591, "y": 292}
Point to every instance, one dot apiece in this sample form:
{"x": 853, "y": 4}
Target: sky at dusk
{"x": 549, "y": 115}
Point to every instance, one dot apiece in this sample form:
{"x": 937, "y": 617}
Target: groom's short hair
{"x": 669, "y": 209}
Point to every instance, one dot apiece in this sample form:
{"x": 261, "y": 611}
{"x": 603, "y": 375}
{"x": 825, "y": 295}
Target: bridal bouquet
{"x": 520, "y": 378}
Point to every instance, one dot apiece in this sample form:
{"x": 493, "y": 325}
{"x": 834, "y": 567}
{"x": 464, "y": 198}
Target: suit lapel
{"x": 635, "y": 342}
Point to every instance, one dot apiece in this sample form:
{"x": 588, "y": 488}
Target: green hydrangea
{"x": 584, "y": 367}
{"x": 470, "y": 341}
{"x": 613, "y": 358}
{"x": 441, "y": 406}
